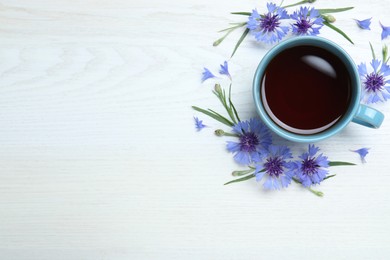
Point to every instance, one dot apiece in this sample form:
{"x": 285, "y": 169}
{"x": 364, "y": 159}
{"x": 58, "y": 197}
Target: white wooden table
{"x": 100, "y": 159}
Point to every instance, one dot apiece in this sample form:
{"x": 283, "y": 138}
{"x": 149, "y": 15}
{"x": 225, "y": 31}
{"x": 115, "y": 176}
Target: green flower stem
{"x": 315, "y": 192}
{"x": 220, "y": 132}
{"x": 232, "y": 107}
{"x": 299, "y": 3}
{"x": 241, "y": 179}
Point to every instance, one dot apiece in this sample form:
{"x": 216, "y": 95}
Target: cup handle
{"x": 368, "y": 116}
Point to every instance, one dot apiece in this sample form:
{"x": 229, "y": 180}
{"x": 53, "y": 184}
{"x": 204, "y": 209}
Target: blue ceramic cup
{"x": 355, "y": 112}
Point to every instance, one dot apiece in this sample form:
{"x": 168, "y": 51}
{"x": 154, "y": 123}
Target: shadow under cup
{"x": 307, "y": 89}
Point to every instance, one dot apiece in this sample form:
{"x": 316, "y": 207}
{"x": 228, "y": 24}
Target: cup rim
{"x": 320, "y": 42}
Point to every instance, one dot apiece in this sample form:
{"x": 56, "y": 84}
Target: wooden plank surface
{"x": 99, "y": 157}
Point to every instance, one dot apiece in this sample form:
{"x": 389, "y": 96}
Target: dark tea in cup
{"x": 306, "y": 89}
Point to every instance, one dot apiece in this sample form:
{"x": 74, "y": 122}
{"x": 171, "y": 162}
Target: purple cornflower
{"x": 207, "y": 74}
{"x": 385, "y": 31}
{"x": 275, "y": 168}
{"x": 364, "y": 24}
{"x": 375, "y": 84}
{"x": 311, "y": 169}
{"x": 362, "y": 152}
{"x": 307, "y": 21}
{"x": 199, "y": 124}
{"x": 253, "y": 137}
{"x": 266, "y": 27}
{"x": 225, "y": 70}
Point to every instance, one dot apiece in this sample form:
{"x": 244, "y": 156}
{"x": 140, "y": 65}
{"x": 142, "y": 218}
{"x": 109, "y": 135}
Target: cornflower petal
{"x": 362, "y": 69}
{"x": 385, "y": 31}
{"x": 311, "y": 169}
{"x": 199, "y": 124}
{"x": 253, "y": 138}
{"x": 266, "y": 27}
{"x": 375, "y": 81}
{"x": 364, "y": 24}
{"x": 274, "y": 168}
{"x": 225, "y": 70}
{"x": 362, "y": 152}
{"x": 206, "y": 74}
{"x": 306, "y": 21}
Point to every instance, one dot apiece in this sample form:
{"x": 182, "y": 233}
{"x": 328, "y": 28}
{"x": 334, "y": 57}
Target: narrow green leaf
{"x": 245, "y": 33}
{"x": 340, "y": 163}
{"x": 229, "y": 108}
{"x": 242, "y": 13}
{"x": 315, "y": 192}
{"x": 330, "y": 176}
{"x": 244, "y": 172}
{"x": 221, "y": 116}
{"x": 338, "y": 30}
{"x": 216, "y": 117}
{"x": 222, "y": 97}
{"x": 334, "y": 10}
{"x": 241, "y": 179}
{"x": 231, "y": 104}
{"x": 372, "y": 51}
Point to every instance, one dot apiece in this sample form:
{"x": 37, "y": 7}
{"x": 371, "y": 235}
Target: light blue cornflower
{"x": 364, "y": 24}
{"x": 307, "y": 21}
{"x": 253, "y": 137}
{"x": 275, "y": 168}
{"x": 266, "y": 27}
{"x": 312, "y": 168}
{"x": 375, "y": 81}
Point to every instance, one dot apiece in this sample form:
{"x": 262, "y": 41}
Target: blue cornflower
{"x": 385, "y": 31}
{"x": 266, "y": 27}
{"x": 362, "y": 152}
{"x": 199, "y": 124}
{"x": 375, "y": 81}
{"x": 225, "y": 70}
{"x": 253, "y": 137}
{"x": 364, "y": 24}
{"x": 207, "y": 74}
{"x": 275, "y": 168}
{"x": 311, "y": 169}
{"x": 307, "y": 21}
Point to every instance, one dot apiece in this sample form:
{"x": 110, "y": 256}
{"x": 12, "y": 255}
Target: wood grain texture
{"x": 100, "y": 160}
